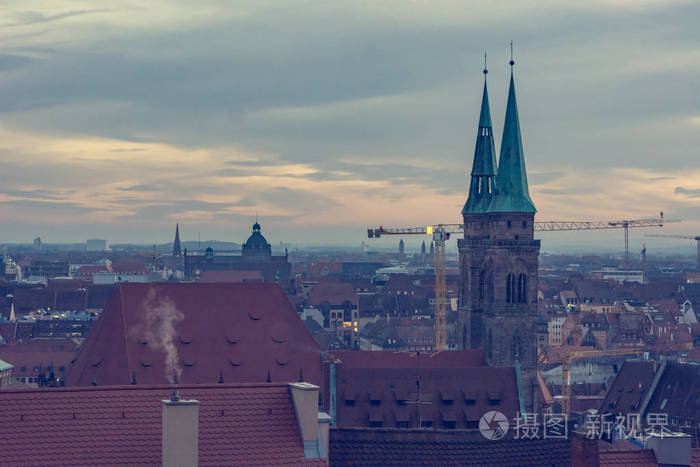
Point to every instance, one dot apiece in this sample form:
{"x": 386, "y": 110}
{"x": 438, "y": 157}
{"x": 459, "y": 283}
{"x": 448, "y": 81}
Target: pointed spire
{"x": 177, "y": 251}
{"x": 12, "y": 312}
{"x": 484, "y": 165}
{"x": 512, "y": 194}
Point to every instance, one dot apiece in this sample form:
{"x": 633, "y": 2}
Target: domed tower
{"x": 256, "y": 247}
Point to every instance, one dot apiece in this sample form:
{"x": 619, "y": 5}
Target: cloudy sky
{"x": 120, "y": 118}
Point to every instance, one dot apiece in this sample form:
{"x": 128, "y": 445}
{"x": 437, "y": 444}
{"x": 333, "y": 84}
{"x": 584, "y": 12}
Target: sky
{"x": 120, "y": 118}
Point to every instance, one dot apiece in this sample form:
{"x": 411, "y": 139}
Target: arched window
{"x": 522, "y": 288}
{"x": 511, "y": 297}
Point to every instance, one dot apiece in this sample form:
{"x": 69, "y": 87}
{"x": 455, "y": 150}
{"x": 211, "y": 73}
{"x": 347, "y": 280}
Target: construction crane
{"x": 685, "y": 237}
{"x": 566, "y": 370}
{"x": 442, "y": 232}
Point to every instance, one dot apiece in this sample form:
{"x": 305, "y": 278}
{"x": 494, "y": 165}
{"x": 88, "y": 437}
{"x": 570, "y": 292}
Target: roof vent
{"x": 185, "y": 340}
{"x": 234, "y": 362}
{"x": 231, "y": 339}
{"x": 145, "y": 364}
{"x": 255, "y": 315}
{"x": 281, "y": 361}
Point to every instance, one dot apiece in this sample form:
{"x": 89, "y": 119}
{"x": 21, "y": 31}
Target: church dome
{"x": 256, "y": 241}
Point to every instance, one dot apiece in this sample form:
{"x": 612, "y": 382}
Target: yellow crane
{"x": 685, "y": 237}
{"x": 442, "y": 232}
{"x": 578, "y": 355}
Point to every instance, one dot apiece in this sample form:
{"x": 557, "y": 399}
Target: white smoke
{"x": 159, "y": 320}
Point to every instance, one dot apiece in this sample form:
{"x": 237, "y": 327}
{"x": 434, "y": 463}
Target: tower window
{"x": 509, "y": 224}
{"x": 524, "y": 224}
{"x": 510, "y": 289}
{"x": 522, "y": 288}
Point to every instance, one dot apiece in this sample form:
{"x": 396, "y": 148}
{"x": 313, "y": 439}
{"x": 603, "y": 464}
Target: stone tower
{"x": 499, "y": 255}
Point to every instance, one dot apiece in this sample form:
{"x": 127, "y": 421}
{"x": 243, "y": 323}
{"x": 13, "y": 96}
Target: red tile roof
{"x": 231, "y": 276}
{"x": 387, "y": 447}
{"x": 30, "y": 357}
{"x": 333, "y": 293}
{"x": 238, "y": 425}
{"x": 406, "y": 359}
{"x": 233, "y": 332}
{"x": 459, "y": 395}
{"x": 635, "y": 458}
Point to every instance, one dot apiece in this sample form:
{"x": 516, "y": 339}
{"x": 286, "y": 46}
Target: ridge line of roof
{"x": 136, "y": 387}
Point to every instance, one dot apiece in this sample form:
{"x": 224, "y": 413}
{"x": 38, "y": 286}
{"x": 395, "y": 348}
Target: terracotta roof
{"x": 459, "y": 395}
{"x": 230, "y": 332}
{"x": 407, "y": 359}
{"x": 231, "y": 276}
{"x": 30, "y": 357}
{"x": 634, "y": 458}
{"x": 332, "y": 293}
{"x": 386, "y": 447}
{"x": 238, "y": 425}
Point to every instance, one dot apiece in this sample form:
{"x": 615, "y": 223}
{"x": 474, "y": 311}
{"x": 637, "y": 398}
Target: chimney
{"x": 180, "y": 432}
{"x": 584, "y": 451}
{"x": 670, "y": 448}
{"x": 312, "y": 425}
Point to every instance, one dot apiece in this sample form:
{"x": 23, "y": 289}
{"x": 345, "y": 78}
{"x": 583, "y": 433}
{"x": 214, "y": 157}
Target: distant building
{"x": 256, "y": 255}
{"x": 402, "y": 253}
{"x": 177, "y": 250}
{"x": 40, "y": 270}
{"x": 37, "y": 244}
{"x": 5, "y": 375}
{"x": 96, "y": 244}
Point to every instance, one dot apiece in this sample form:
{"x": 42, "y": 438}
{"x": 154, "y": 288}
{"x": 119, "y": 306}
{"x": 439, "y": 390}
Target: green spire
{"x": 484, "y": 168}
{"x": 511, "y": 182}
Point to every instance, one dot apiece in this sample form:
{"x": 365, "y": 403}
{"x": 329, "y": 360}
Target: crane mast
{"x": 442, "y": 232}
{"x": 684, "y": 237}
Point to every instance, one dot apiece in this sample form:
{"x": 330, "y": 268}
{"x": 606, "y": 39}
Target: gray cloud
{"x": 692, "y": 192}
{"x": 335, "y": 86}
{"x": 25, "y": 18}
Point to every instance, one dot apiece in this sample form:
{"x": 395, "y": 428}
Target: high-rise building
{"x": 401, "y": 249}
{"x": 498, "y": 254}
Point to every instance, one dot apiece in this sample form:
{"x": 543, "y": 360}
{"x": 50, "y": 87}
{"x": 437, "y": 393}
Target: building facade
{"x": 498, "y": 254}
{"x": 256, "y": 255}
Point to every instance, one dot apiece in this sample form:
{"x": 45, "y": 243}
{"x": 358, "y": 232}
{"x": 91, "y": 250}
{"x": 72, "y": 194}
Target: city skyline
{"x": 342, "y": 117}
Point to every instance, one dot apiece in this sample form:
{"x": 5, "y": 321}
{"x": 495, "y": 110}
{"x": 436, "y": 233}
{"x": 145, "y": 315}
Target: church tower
{"x": 499, "y": 260}
{"x": 177, "y": 251}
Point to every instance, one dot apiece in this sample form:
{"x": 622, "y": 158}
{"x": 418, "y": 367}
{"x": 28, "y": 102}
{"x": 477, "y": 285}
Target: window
{"x": 350, "y": 403}
{"x": 522, "y": 288}
{"x": 426, "y": 424}
{"x": 509, "y": 224}
{"x": 402, "y": 424}
{"x": 375, "y": 424}
{"x": 524, "y": 224}
{"x": 510, "y": 288}
{"x": 450, "y": 425}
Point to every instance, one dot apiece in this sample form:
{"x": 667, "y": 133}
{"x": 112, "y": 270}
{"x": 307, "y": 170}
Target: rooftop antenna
{"x": 512, "y": 62}
{"x": 485, "y": 69}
